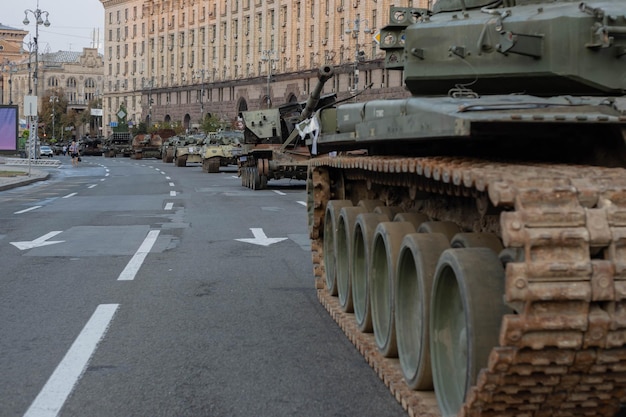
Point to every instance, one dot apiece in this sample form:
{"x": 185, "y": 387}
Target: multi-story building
{"x": 179, "y": 60}
{"x": 78, "y": 76}
{"x": 11, "y": 41}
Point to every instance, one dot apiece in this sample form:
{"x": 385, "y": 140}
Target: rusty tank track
{"x": 562, "y": 353}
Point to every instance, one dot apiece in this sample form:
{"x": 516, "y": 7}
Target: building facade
{"x": 11, "y": 51}
{"x": 179, "y": 60}
{"x": 76, "y": 76}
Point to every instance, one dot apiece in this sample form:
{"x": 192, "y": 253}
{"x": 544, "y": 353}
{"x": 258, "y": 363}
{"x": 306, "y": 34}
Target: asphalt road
{"x": 137, "y": 288}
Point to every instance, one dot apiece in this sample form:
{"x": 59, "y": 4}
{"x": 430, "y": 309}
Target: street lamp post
{"x": 199, "y": 74}
{"x": 270, "y": 57}
{"x": 53, "y": 99}
{"x": 37, "y": 13}
{"x": 32, "y": 138}
{"x": 358, "y": 54}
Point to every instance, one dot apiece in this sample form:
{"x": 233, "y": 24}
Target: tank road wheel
{"x": 417, "y": 261}
{"x": 464, "y": 321}
{"x": 477, "y": 240}
{"x": 331, "y": 221}
{"x": 416, "y": 218}
{"x": 343, "y": 255}
{"x": 181, "y": 161}
{"x": 447, "y": 228}
{"x": 385, "y": 250}
{"x": 362, "y": 238}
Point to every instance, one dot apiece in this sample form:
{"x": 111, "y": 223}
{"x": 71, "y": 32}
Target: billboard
{"x": 8, "y": 128}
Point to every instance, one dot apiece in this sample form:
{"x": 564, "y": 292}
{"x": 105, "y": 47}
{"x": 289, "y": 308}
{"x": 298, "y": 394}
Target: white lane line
{"x": 128, "y": 274}
{"x": 171, "y": 184}
{"x": 172, "y": 193}
{"x": 169, "y": 206}
{"x": 69, "y": 195}
{"x": 64, "y": 378}
{"x": 106, "y": 175}
{"x": 162, "y": 172}
{"x": 279, "y": 192}
{"x": 102, "y": 179}
{"x": 235, "y": 176}
{"x": 302, "y": 202}
{"x": 27, "y": 210}
{"x": 93, "y": 185}
{"x": 167, "y": 178}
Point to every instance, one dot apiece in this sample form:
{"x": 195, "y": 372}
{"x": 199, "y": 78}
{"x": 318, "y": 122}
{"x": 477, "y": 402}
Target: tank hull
{"x": 469, "y": 242}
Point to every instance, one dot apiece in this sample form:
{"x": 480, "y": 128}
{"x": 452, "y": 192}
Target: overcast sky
{"x": 72, "y": 22}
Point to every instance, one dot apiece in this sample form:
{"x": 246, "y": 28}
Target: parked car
{"x": 45, "y": 150}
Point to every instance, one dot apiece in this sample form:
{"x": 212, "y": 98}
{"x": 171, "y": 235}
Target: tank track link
{"x": 563, "y": 351}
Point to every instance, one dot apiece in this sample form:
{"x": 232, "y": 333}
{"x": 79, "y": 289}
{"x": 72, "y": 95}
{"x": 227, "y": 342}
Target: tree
{"x": 211, "y": 123}
{"x": 50, "y": 107}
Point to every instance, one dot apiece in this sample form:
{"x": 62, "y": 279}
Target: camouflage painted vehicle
{"x": 273, "y": 147}
{"x": 168, "y": 147}
{"x": 188, "y": 150}
{"x": 220, "y": 149}
{"x": 477, "y": 228}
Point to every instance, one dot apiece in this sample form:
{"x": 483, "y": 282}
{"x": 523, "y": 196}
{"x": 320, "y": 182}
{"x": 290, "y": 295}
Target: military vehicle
{"x": 273, "y": 147}
{"x": 168, "y": 147}
{"x": 118, "y": 143}
{"x": 148, "y": 145}
{"x": 188, "y": 150}
{"x": 221, "y": 148}
{"x": 477, "y": 227}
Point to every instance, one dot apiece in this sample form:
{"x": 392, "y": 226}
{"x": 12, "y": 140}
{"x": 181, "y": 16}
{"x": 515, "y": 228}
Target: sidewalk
{"x": 8, "y": 182}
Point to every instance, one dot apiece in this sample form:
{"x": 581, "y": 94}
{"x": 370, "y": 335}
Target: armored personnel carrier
{"x": 188, "y": 150}
{"x": 221, "y": 148}
{"x": 273, "y": 147}
{"x": 477, "y": 228}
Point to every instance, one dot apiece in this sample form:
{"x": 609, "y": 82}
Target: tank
{"x": 149, "y": 145}
{"x": 469, "y": 238}
{"x": 273, "y": 147}
{"x": 221, "y": 148}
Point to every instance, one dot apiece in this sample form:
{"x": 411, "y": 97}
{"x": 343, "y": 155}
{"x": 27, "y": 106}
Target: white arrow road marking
{"x": 40, "y": 241}
{"x": 261, "y": 239}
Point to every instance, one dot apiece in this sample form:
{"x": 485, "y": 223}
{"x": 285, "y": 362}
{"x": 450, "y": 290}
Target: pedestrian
{"x": 64, "y": 150}
{"x": 74, "y": 153}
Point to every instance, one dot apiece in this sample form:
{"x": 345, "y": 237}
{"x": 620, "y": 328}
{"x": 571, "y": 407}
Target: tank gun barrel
{"x": 325, "y": 73}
